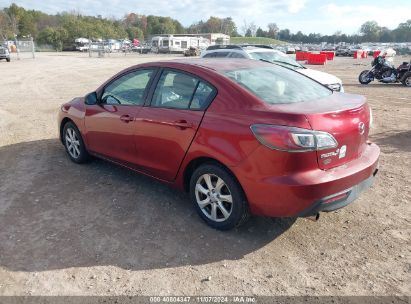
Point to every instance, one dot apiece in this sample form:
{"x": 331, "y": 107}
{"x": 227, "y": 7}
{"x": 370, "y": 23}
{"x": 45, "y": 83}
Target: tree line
{"x": 61, "y": 29}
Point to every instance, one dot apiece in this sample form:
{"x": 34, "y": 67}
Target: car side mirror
{"x": 91, "y": 98}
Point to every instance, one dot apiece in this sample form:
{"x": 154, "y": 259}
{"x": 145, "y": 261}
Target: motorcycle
{"x": 385, "y": 72}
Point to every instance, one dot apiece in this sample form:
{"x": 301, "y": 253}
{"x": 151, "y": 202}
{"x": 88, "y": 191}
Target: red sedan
{"x": 240, "y": 136}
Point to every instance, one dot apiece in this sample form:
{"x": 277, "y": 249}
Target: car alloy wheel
{"x": 214, "y": 197}
{"x": 72, "y": 143}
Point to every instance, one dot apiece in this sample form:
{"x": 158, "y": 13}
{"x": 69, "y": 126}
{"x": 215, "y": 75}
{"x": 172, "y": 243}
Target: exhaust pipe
{"x": 314, "y": 217}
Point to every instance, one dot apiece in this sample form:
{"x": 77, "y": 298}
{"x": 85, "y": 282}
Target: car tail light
{"x": 292, "y": 139}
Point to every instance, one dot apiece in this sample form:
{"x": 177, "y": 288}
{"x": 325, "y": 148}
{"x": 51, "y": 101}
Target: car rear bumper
{"x": 340, "y": 199}
{"x": 308, "y": 192}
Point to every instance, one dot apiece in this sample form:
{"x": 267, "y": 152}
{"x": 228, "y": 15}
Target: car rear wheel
{"x": 218, "y": 197}
{"x": 74, "y": 144}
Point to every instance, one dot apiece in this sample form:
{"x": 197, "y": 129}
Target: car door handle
{"x": 126, "y": 118}
{"x": 183, "y": 124}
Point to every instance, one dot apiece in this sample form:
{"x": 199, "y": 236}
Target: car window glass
{"x": 174, "y": 90}
{"x": 221, "y": 54}
{"x": 216, "y": 55}
{"x": 128, "y": 89}
{"x": 276, "y": 85}
{"x": 275, "y": 57}
{"x": 202, "y": 96}
{"x": 236, "y": 55}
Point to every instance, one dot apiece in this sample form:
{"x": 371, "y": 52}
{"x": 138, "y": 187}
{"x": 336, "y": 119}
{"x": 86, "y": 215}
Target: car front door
{"x": 110, "y": 124}
{"x": 166, "y": 128}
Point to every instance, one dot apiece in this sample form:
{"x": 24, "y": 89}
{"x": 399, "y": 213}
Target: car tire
{"x": 74, "y": 144}
{"x": 218, "y": 197}
{"x": 8, "y": 59}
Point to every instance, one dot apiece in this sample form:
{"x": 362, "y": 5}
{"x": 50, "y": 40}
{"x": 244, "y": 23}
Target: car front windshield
{"x": 275, "y": 57}
{"x": 277, "y": 85}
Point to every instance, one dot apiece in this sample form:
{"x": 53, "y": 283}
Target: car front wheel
{"x": 74, "y": 144}
{"x": 218, "y": 197}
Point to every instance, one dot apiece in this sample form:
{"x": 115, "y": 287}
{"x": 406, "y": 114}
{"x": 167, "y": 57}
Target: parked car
{"x": 192, "y": 51}
{"x": 266, "y": 53}
{"x": 241, "y": 136}
{"x": 290, "y": 50}
{"x": 354, "y": 50}
{"x": 143, "y": 49}
{"x": 342, "y": 51}
{"x": 4, "y": 53}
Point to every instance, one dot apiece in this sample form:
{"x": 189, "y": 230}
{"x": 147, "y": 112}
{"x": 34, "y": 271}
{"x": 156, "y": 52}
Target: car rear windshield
{"x": 277, "y": 85}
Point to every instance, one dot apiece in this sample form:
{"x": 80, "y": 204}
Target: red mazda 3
{"x": 240, "y": 136}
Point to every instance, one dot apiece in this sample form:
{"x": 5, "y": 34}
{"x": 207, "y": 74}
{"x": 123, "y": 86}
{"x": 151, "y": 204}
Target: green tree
{"x": 27, "y": 26}
{"x": 284, "y": 34}
{"x": 54, "y": 37}
{"x": 135, "y": 32}
{"x": 403, "y": 32}
{"x": 6, "y": 30}
{"x": 272, "y": 30}
{"x": 260, "y": 32}
{"x": 370, "y": 31}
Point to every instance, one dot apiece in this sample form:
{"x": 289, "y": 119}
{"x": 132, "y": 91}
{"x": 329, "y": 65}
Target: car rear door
{"x": 110, "y": 124}
{"x": 166, "y": 128}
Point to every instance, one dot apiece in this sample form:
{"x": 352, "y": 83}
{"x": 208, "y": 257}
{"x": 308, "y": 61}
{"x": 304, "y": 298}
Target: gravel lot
{"x": 99, "y": 229}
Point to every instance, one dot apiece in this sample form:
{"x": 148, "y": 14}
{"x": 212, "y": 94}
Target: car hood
{"x": 321, "y": 77}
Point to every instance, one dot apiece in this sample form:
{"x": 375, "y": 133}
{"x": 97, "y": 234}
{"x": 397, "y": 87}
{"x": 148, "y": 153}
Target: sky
{"x": 308, "y": 16}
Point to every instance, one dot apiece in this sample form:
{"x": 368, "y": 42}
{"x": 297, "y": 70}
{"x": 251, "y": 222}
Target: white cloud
{"x": 295, "y": 6}
{"x": 348, "y": 16}
{"x": 187, "y": 11}
{"x": 318, "y": 16}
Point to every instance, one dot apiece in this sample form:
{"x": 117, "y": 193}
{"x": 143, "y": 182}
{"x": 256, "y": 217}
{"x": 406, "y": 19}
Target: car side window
{"x": 202, "y": 96}
{"x": 128, "y": 89}
{"x": 181, "y": 91}
{"x": 174, "y": 90}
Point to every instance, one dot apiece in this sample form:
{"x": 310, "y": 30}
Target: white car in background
{"x": 266, "y": 53}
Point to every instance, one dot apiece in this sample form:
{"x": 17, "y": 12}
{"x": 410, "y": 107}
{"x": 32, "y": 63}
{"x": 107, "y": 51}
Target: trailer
{"x": 177, "y": 43}
{"x": 82, "y": 44}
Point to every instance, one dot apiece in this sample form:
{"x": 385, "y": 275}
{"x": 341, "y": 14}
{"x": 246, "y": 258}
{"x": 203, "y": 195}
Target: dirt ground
{"x": 99, "y": 229}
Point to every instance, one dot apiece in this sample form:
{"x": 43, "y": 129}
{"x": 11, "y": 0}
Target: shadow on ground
{"x": 55, "y": 214}
{"x": 393, "y": 141}
{"x": 377, "y": 84}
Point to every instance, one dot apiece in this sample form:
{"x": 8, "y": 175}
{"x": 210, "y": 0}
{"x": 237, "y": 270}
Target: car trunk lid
{"x": 344, "y": 116}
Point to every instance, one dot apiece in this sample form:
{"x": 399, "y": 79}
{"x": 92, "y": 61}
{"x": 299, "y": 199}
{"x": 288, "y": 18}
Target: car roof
{"x": 213, "y": 65}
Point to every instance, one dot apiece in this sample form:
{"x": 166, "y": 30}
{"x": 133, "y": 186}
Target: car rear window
{"x": 277, "y": 85}
{"x": 216, "y": 55}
